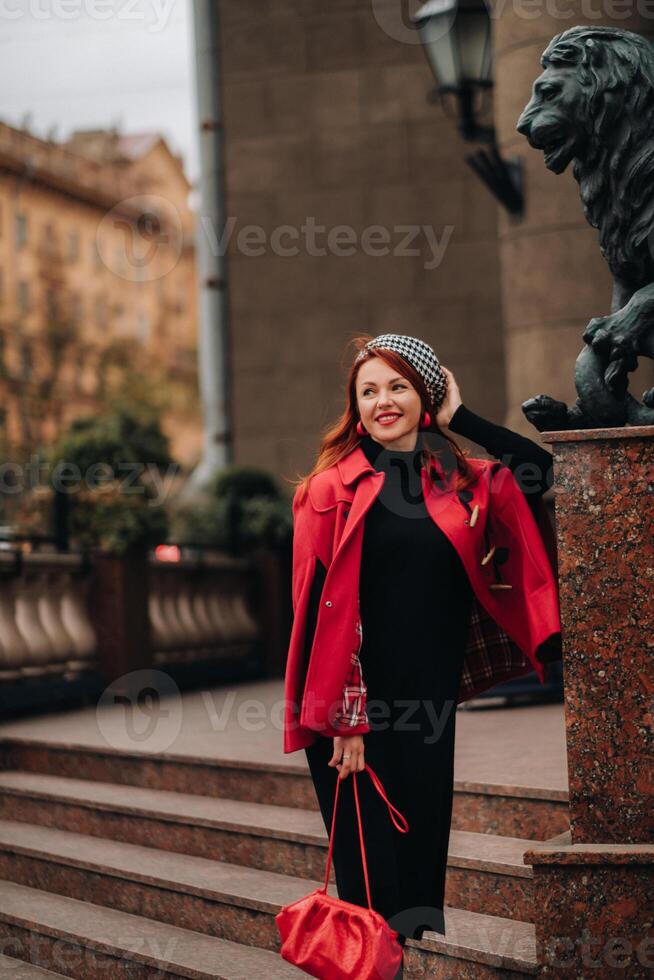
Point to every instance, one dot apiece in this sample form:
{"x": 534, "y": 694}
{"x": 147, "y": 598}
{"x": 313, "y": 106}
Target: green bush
{"x": 109, "y": 464}
{"x": 246, "y": 511}
{"x": 243, "y": 482}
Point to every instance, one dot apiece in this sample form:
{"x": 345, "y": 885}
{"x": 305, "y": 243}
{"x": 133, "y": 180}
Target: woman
{"x": 406, "y": 553}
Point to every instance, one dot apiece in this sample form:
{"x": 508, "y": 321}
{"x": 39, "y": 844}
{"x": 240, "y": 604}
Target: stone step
{"x": 99, "y": 943}
{"x": 283, "y": 784}
{"x": 485, "y": 871}
{"x": 221, "y": 899}
{"x": 287, "y": 840}
{"x": 475, "y": 947}
{"x": 530, "y": 812}
{"x": 16, "y": 969}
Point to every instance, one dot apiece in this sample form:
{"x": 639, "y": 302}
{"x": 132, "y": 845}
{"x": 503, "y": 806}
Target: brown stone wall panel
{"x": 255, "y": 343}
{"x": 313, "y": 339}
{"x": 334, "y": 40}
{"x": 336, "y": 158}
{"x": 397, "y": 93}
{"x": 264, "y": 165}
{"x": 482, "y": 379}
{"x": 455, "y": 328}
{"x": 333, "y": 98}
{"x": 553, "y": 276}
{"x": 435, "y": 150}
{"x": 330, "y": 207}
{"x": 480, "y": 212}
{"x": 388, "y": 37}
{"x": 288, "y": 104}
{"x": 249, "y": 208}
{"x": 272, "y": 398}
{"x": 244, "y": 13}
{"x": 433, "y": 205}
{"x": 468, "y": 270}
{"x": 385, "y": 154}
{"x": 246, "y": 109}
{"x": 267, "y": 46}
{"x": 387, "y": 278}
{"x": 259, "y": 285}
{"x": 257, "y": 446}
{"x": 302, "y": 282}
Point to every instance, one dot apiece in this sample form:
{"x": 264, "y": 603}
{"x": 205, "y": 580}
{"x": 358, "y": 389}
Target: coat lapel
{"x": 355, "y": 467}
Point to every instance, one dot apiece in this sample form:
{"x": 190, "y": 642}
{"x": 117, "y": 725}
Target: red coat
{"x": 513, "y": 631}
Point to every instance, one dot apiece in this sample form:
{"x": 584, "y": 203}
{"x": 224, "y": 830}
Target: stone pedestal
{"x": 595, "y": 909}
{"x": 595, "y": 887}
{"x": 119, "y": 609}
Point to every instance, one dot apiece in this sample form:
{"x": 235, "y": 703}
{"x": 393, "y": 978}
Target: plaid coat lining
{"x": 352, "y": 711}
{"x": 490, "y": 656}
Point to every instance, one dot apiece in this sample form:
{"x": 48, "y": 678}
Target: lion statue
{"x": 594, "y": 105}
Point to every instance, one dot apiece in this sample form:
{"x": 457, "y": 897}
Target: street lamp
{"x": 456, "y": 39}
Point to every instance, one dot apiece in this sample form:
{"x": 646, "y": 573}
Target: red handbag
{"x": 336, "y": 940}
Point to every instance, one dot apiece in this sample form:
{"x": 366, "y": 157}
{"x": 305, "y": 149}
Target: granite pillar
{"x": 595, "y": 887}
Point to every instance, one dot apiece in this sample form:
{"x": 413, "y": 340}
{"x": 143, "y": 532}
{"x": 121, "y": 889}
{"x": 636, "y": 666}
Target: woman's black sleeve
{"x": 530, "y": 464}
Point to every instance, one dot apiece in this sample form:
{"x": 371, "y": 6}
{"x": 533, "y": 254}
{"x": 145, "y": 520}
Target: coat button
{"x": 328, "y": 602}
{"x": 500, "y": 585}
{"x": 475, "y": 515}
{"x": 488, "y": 557}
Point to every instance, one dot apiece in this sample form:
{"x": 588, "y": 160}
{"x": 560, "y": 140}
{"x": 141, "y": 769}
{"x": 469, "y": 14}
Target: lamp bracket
{"x": 502, "y": 177}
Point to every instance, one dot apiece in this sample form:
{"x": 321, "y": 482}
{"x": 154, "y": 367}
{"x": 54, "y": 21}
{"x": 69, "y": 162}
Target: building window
{"x": 76, "y": 308}
{"x": 26, "y": 361}
{"x": 23, "y": 297}
{"x": 51, "y": 304}
{"x": 73, "y": 246}
{"x": 21, "y": 229}
{"x": 101, "y": 311}
{"x": 97, "y": 257}
{"x": 142, "y": 327}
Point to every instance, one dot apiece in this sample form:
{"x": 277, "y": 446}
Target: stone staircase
{"x": 115, "y": 864}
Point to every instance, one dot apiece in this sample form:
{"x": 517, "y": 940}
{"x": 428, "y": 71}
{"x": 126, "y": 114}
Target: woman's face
{"x": 389, "y": 406}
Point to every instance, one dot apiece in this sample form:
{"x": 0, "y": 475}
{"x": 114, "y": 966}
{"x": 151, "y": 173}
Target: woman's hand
{"x": 451, "y": 401}
{"x": 350, "y": 746}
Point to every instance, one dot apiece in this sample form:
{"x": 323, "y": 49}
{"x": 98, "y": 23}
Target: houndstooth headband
{"x": 419, "y": 355}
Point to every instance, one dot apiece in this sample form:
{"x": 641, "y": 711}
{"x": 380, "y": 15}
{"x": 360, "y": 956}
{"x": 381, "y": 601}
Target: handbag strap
{"x": 403, "y": 827}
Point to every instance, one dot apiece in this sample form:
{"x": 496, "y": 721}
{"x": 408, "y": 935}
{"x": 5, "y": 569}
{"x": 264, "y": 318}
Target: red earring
{"x": 360, "y": 428}
{"x": 425, "y": 421}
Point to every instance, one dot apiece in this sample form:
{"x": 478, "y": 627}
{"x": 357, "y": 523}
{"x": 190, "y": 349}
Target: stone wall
{"x": 326, "y": 116}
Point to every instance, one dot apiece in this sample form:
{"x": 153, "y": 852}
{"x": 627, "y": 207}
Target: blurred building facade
{"x": 98, "y": 287}
{"x": 326, "y": 121}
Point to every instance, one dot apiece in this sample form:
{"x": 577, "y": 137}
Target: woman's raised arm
{"x": 530, "y": 464}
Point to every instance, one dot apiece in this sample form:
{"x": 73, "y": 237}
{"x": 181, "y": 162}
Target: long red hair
{"x": 341, "y": 437}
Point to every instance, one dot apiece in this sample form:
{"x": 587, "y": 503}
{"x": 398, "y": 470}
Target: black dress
{"x": 415, "y": 604}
